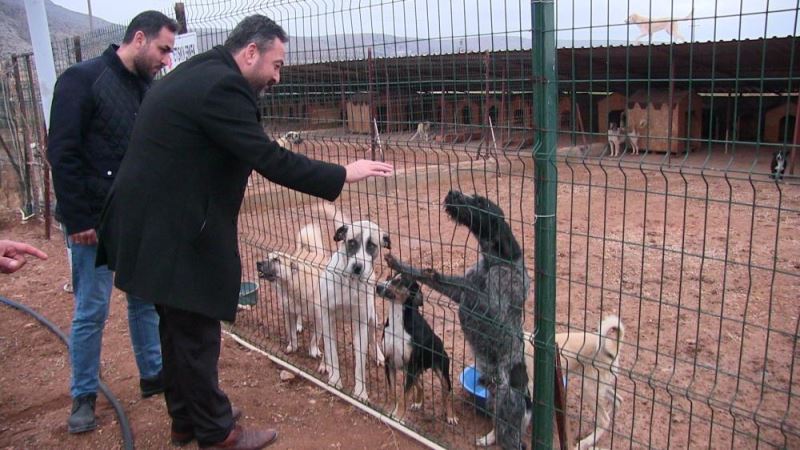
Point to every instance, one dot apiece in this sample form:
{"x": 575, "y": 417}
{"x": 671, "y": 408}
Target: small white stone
{"x": 286, "y": 375}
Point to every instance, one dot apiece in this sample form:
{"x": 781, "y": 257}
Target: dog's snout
{"x": 384, "y": 290}
{"x": 357, "y": 269}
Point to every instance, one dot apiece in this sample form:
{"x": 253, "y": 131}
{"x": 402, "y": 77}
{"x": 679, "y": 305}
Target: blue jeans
{"x": 92, "y": 287}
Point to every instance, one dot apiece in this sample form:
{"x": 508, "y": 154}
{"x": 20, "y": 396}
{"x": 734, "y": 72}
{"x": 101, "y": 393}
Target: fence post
{"x": 40, "y": 137}
{"x": 545, "y": 177}
{"x": 76, "y": 44}
{"x": 26, "y": 150}
{"x": 180, "y": 17}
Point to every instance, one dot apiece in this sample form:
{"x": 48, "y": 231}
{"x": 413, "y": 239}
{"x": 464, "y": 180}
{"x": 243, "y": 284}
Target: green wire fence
{"x": 644, "y": 156}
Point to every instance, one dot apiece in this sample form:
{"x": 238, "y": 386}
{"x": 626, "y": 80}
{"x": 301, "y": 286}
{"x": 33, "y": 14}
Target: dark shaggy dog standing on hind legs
{"x": 491, "y": 297}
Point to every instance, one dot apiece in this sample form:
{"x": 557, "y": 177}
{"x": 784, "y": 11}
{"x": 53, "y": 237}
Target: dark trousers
{"x": 190, "y": 346}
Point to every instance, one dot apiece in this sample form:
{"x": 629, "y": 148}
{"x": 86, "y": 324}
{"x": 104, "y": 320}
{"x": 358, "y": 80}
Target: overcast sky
{"x": 116, "y": 11}
{"x": 598, "y": 20}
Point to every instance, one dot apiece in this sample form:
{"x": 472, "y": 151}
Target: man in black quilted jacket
{"x": 94, "y": 107}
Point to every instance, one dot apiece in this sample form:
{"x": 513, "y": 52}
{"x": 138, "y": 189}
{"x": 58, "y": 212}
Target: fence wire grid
{"x": 663, "y": 145}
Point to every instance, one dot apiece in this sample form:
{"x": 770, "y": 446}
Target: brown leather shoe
{"x": 180, "y": 439}
{"x": 241, "y": 439}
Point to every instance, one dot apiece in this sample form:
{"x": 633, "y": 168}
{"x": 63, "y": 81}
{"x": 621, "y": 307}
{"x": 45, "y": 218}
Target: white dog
{"x": 347, "y": 288}
{"x": 649, "y": 27}
{"x": 632, "y": 135}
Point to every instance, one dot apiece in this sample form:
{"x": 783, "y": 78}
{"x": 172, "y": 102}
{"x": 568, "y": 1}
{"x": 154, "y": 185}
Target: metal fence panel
{"x": 673, "y": 197}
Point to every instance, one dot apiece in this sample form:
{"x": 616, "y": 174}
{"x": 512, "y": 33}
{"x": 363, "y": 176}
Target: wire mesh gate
{"x": 672, "y": 131}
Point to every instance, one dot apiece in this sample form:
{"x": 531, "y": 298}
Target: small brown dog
{"x": 650, "y": 26}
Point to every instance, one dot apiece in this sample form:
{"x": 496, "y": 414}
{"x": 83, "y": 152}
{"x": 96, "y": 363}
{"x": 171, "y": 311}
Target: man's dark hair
{"x": 150, "y": 23}
{"x": 258, "y": 29}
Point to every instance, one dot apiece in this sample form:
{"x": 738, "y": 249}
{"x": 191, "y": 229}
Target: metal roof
{"x": 754, "y": 65}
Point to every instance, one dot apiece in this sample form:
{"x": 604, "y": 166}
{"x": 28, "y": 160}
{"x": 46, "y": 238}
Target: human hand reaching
{"x": 12, "y": 255}
{"x": 364, "y": 168}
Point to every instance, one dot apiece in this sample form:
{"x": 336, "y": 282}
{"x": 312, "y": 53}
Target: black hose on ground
{"x": 127, "y": 434}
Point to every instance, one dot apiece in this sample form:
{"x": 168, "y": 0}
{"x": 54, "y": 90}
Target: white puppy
{"x": 347, "y": 288}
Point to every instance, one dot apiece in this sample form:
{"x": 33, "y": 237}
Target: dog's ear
{"x": 341, "y": 233}
{"x": 385, "y": 241}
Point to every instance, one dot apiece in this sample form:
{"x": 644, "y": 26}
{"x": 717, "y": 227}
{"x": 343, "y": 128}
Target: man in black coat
{"x": 91, "y": 120}
{"x": 169, "y": 229}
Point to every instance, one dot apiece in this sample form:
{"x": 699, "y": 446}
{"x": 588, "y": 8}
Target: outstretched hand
{"x": 364, "y": 168}
{"x": 12, "y": 255}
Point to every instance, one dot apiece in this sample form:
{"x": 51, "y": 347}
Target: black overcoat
{"x": 169, "y": 226}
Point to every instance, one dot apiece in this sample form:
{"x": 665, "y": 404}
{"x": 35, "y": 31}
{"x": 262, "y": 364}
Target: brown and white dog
{"x": 650, "y": 26}
{"x": 423, "y": 130}
{"x": 297, "y": 278}
{"x": 593, "y": 357}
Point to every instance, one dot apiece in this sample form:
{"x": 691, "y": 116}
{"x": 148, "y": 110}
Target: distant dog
{"x": 778, "y": 165}
{"x": 631, "y": 134}
{"x": 593, "y": 357}
{"x": 491, "y": 298}
{"x": 411, "y": 346}
{"x": 347, "y": 286}
{"x": 649, "y": 27}
{"x": 297, "y": 279}
{"x": 423, "y": 130}
{"x": 616, "y": 137}
{"x": 289, "y": 139}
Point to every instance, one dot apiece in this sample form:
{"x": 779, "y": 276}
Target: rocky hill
{"x": 64, "y": 23}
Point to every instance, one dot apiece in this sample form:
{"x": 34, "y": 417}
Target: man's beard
{"x": 142, "y": 69}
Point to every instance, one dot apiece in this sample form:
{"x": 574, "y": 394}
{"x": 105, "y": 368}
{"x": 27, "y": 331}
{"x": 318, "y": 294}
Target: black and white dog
{"x": 410, "y": 345}
{"x": 778, "y": 165}
{"x": 491, "y": 298}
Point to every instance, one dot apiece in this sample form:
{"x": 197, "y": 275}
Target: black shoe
{"x": 82, "y": 418}
{"x": 152, "y": 386}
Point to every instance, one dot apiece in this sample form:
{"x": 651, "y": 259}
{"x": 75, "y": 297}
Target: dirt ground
{"x": 34, "y": 376}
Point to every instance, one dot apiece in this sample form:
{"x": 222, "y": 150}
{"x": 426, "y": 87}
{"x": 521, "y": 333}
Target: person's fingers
{"x": 10, "y": 265}
{"x": 383, "y": 168}
{"x": 31, "y": 250}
